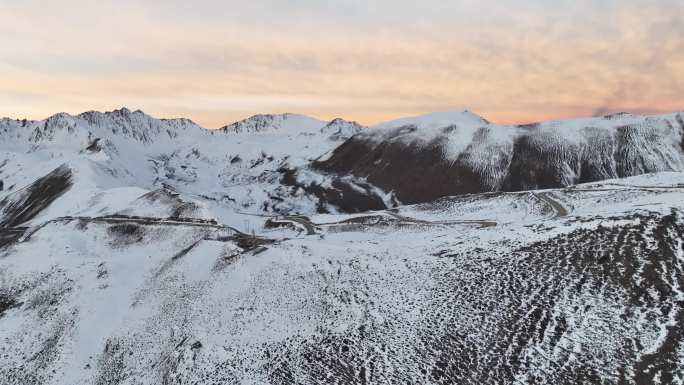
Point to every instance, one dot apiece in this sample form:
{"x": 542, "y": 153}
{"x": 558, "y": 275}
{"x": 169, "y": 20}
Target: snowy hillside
{"x": 293, "y": 123}
{"x": 427, "y": 157}
{"x": 221, "y": 169}
{"x": 136, "y": 250}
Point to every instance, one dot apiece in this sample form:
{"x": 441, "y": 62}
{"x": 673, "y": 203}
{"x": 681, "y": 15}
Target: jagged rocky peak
{"x": 121, "y": 123}
{"x": 289, "y": 123}
{"x": 57, "y": 123}
{"x": 341, "y": 129}
{"x": 138, "y": 124}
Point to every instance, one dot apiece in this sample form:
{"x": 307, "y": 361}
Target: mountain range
{"x": 284, "y": 249}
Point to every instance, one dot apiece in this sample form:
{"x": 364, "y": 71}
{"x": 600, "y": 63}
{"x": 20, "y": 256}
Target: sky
{"x": 217, "y": 61}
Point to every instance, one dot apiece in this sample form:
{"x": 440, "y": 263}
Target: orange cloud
{"x": 520, "y": 68}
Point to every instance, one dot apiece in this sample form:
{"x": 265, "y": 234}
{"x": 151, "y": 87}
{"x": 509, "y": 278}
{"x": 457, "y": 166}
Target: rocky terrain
{"x": 428, "y": 157}
{"x": 440, "y": 249}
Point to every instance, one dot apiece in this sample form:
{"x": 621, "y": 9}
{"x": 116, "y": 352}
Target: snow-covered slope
{"x": 426, "y": 157}
{"x": 228, "y": 170}
{"x": 287, "y": 123}
{"x": 341, "y": 129}
{"x": 136, "y": 250}
{"x": 581, "y": 285}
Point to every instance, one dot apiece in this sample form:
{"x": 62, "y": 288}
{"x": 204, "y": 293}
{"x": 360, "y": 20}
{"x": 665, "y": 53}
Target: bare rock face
{"x": 344, "y": 194}
{"x": 420, "y": 163}
{"x": 21, "y": 206}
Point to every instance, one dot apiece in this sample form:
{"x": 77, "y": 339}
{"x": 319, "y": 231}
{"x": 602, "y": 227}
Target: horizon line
{"x": 602, "y": 114}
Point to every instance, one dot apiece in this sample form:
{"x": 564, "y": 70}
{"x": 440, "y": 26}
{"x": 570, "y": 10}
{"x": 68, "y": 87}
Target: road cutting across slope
{"x": 481, "y": 223}
{"x": 558, "y": 208}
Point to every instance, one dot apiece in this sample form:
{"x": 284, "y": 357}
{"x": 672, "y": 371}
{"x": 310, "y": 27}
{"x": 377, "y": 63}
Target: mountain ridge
{"x": 454, "y": 112}
{"x": 424, "y": 162}
{"x": 141, "y": 251}
{"x": 341, "y": 165}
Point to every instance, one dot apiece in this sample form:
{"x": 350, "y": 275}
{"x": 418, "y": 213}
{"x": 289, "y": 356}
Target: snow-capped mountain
{"x": 277, "y": 250}
{"x": 221, "y": 168}
{"x": 336, "y": 129}
{"x": 119, "y": 124}
{"x": 451, "y": 153}
{"x": 341, "y": 129}
{"x": 268, "y": 123}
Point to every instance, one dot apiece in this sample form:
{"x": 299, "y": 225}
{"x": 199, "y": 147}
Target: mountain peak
{"x": 437, "y": 120}
{"x": 287, "y": 122}
{"x": 341, "y": 129}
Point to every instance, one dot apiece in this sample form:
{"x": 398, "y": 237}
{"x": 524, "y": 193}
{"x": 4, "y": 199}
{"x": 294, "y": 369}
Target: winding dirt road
{"x": 186, "y": 222}
{"x": 558, "y": 208}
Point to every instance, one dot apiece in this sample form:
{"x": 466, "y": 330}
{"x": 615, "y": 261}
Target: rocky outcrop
{"x": 420, "y": 164}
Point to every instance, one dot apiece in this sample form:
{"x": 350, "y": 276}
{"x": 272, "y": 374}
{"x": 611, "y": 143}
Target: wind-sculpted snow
{"x": 341, "y": 129}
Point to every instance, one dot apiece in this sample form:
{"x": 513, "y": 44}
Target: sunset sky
{"x": 219, "y": 61}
